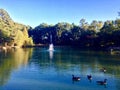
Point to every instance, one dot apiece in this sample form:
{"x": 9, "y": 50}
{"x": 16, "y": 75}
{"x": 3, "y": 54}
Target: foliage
{"x": 96, "y": 34}
{"x": 12, "y": 33}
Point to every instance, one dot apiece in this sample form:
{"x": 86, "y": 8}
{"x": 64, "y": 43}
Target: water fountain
{"x": 51, "y": 47}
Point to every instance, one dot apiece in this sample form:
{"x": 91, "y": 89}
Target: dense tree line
{"x": 95, "y": 34}
{"x": 12, "y": 33}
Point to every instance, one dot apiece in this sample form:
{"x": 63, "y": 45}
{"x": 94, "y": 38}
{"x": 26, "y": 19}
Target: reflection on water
{"x": 53, "y": 70}
{"x": 51, "y": 54}
{"x": 12, "y": 60}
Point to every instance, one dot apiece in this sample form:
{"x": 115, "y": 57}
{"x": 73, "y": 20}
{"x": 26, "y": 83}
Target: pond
{"x": 40, "y": 69}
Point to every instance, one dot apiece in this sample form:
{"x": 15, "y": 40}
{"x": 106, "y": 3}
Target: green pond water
{"x": 40, "y": 69}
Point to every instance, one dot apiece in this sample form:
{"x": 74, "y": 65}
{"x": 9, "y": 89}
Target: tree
{"x": 83, "y": 24}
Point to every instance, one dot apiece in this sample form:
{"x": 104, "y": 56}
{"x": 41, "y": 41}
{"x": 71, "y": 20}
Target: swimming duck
{"x": 89, "y": 77}
{"x": 103, "y": 70}
{"x": 102, "y": 82}
{"x": 75, "y": 78}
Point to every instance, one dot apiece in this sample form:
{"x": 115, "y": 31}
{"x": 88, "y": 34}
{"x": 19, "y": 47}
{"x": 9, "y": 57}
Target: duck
{"x": 74, "y": 78}
{"x": 103, "y": 70}
{"x": 104, "y": 82}
{"x": 89, "y": 77}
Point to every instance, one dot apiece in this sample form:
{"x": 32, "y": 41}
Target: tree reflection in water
{"x": 12, "y": 60}
{"x": 43, "y": 65}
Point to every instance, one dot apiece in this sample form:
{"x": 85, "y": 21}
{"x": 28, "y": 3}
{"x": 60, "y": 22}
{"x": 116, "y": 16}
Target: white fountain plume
{"x": 51, "y": 47}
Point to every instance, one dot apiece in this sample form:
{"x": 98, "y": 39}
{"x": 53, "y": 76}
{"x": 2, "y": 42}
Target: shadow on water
{"x": 79, "y": 62}
{"x": 65, "y": 58}
{"x": 56, "y": 68}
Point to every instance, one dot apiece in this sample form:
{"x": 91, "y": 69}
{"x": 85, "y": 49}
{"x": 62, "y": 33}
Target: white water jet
{"x": 51, "y": 46}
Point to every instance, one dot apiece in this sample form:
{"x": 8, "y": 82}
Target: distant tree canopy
{"x": 95, "y": 34}
{"x": 12, "y": 33}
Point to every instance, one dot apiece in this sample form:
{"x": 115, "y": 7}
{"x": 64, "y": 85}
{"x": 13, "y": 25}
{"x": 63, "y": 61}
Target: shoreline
{"x": 47, "y": 45}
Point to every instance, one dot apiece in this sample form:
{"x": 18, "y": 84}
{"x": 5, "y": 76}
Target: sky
{"x": 35, "y": 12}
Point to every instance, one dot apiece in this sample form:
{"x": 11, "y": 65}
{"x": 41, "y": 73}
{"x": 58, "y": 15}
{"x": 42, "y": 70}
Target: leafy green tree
{"x": 12, "y": 33}
{"x": 83, "y": 24}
